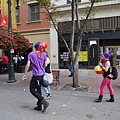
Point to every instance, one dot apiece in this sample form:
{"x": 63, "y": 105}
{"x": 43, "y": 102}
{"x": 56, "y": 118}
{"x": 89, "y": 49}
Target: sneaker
{"x": 48, "y": 96}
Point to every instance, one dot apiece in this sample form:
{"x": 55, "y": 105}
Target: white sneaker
{"x": 48, "y": 96}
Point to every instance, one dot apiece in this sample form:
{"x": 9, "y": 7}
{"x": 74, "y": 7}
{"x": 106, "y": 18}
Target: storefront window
{"x": 118, "y": 57}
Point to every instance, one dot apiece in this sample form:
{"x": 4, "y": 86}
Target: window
{"x": 93, "y": 24}
{"x": 17, "y": 14}
{"x": 34, "y": 12}
{"x": 68, "y": 1}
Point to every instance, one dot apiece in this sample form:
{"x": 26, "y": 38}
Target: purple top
{"x": 37, "y": 63}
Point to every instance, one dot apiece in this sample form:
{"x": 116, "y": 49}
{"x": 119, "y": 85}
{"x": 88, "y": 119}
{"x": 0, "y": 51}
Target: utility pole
{"x": 11, "y": 73}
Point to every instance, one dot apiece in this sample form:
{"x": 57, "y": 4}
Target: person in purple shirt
{"x": 38, "y": 61}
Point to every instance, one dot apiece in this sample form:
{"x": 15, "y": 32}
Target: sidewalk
{"x": 87, "y": 77}
{"x": 16, "y": 102}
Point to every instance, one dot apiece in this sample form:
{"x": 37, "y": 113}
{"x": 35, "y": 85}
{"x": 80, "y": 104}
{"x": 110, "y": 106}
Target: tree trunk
{"x": 72, "y": 33}
{"x": 80, "y": 30}
{"x": 75, "y": 65}
{"x": 72, "y": 44}
{"x": 75, "y": 75}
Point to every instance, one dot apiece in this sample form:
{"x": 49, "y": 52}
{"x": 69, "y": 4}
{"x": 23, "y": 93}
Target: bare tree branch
{"x": 52, "y": 20}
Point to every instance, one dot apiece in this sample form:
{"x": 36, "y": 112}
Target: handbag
{"x": 48, "y": 77}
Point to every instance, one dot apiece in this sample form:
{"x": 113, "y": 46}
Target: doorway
{"x": 114, "y": 51}
{"x": 93, "y": 52}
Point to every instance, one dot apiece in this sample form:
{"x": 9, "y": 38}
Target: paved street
{"x": 16, "y": 102}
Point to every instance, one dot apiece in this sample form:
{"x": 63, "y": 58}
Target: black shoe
{"x": 48, "y": 96}
{"x": 38, "y": 108}
{"x": 99, "y": 99}
{"x": 111, "y": 99}
{"x": 45, "y": 105}
{"x": 71, "y": 75}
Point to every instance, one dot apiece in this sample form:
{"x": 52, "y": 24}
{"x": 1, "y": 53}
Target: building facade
{"x": 101, "y": 33}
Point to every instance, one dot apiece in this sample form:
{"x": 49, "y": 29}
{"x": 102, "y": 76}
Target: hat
{"x": 107, "y": 55}
{"x": 36, "y": 45}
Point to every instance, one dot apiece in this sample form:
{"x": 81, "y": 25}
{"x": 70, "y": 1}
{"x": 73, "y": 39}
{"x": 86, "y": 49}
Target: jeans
{"x": 35, "y": 87}
{"x": 70, "y": 68}
{"x": 47, "y": 89}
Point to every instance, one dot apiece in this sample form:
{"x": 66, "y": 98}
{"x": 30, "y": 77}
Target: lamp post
{"x": 11, "y": 78}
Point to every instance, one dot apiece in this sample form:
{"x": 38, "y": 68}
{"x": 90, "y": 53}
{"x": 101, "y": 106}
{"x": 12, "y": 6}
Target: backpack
{"x": 114, "y": 72}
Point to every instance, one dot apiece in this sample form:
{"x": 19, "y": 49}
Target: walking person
{"x": 48, "y": 74}
{"x": 38, "y": 61}
{"x": 105, "y": 64}
{"x": 49, "y": 77}
{"x": 70, "y": 67}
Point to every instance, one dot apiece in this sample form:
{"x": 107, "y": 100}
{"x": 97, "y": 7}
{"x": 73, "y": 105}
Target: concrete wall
{"x": 84, "y": 0}
{"x": 63, "y": 2}
{"x": 59, "y": 2}
{"x": 102, "y": 9}
{"x": 54, "y": 48}
{"x": 38, "y": 36}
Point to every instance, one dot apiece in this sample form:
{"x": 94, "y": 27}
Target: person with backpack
{"x": 107, "y": 76}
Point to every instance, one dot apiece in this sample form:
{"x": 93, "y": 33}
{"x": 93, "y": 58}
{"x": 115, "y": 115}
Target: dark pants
{"x": 35, "y": 87}
{"x": 3, "y": 65}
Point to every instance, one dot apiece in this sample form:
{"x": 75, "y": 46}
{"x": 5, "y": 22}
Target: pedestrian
{"x": 70, "y": 66}
{"x": 105, "y": 64}
{"x": 49, "y": 77}
{"x": 17, "y": 60}
{"x": 3, "y": 63}
{"x": 48, "y": 74}
{"x": 38, "y": 61}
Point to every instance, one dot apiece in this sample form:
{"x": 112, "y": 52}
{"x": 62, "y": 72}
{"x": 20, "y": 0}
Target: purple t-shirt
{"x": 37, "y": 63}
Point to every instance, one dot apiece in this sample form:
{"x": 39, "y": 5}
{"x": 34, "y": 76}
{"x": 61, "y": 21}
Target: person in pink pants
{"x": 105, "y": 64}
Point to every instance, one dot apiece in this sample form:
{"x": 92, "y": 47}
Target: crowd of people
{"x": 18, "y": 60}
{"x": 41, "y": 70}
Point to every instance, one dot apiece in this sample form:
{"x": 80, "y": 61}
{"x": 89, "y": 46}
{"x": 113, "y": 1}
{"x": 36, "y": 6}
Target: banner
{"x": 13, "y": 14}
{"x": 4, "y": 14}
{"x": 83, "y": 56}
